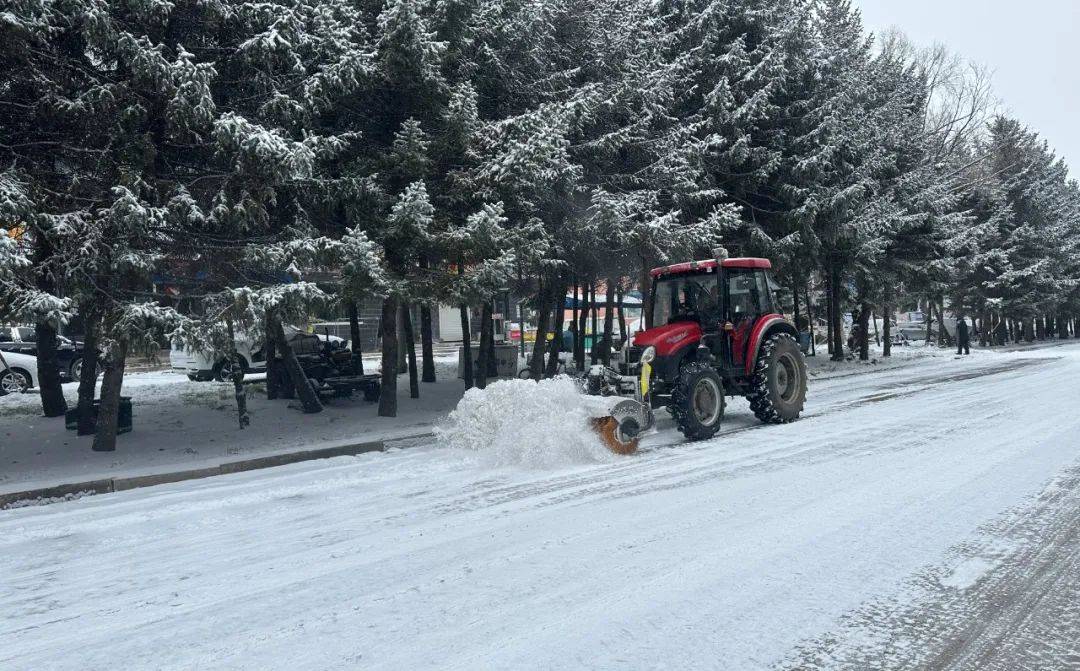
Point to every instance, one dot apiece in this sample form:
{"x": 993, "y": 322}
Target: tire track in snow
{"x": 1007, "y": 599}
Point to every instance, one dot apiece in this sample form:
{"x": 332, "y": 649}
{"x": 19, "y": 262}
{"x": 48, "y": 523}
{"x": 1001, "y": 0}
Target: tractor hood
{"x": 670, "y": 338}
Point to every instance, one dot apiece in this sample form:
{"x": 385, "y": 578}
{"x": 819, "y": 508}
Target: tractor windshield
{"x": 684, "y": 298}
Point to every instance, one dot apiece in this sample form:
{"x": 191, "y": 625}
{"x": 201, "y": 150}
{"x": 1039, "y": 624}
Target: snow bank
{"x": 525, "y": 423}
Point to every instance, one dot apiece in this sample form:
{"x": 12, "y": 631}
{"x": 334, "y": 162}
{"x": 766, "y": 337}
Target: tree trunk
{"x": 828, "y": 314}
{"x": 543, "y": 314}
{"x": 582, "y": 323}
{"x": 594, "y": 350}
{"x": 646, "y": 293}
{"x": 428, "y": 368}
{"x": 88, "y": 375}
{"x": 838, "y": 325}
{"x": 53, "y": 403}
{"x": 298, "y": 379}
{"x": 609, "y": 321}
{"x": 622, "y": 314}
{"x": 864, "y": 332}
{"x": 466, "y": 346}
{"x": 941, "y": 335}
{"x": 388, "y": 333}
{"x": 354, "y": 337}
{"x": 810, "y": 320}
{"x": 558, "y": 314}
{"x": 795, "y": 303}
{"x": 402, "y": 352}
{"x": 109, "y": 409}
{"x": 886, "y": 330}
{"x": 273, "y": 368}
{"x": 239, "y": 390}
{"x": 354, "y": 325}
{"x": 410, "y": 347}
{"x": 929, "y": 319}
{"x": 485, "y": 338}
{"x": 490, "y": 359}
{"x": 575, "y": 344}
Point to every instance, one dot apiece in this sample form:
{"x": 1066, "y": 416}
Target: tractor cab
{"x": 713, "y": 304}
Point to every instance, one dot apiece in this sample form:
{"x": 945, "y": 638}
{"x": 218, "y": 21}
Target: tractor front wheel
{"x": 778, "y": 391}
{"x": 697, "y": 402}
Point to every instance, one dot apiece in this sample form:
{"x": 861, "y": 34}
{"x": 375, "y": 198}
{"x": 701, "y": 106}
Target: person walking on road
{"x": 963, "y": 337}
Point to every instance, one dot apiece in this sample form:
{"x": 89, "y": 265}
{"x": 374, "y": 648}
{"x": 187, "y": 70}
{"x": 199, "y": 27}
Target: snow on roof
{"x": 710, "y": 264}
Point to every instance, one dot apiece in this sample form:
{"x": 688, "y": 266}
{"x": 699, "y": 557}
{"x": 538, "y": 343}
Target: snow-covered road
{"x": 922, "y": 516}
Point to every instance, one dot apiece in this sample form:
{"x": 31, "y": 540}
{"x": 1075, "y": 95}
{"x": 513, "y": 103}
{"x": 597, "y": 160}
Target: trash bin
{"x": 123, "y": 421}
{"x": 506, "y": 359}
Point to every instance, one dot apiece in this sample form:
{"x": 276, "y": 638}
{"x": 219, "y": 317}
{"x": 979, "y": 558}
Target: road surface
{"x": 926, "y": 517}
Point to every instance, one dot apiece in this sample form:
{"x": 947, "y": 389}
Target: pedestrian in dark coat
{"x": 963, "y": 337}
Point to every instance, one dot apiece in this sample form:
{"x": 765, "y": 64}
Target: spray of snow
{"x": 525, "y": 423}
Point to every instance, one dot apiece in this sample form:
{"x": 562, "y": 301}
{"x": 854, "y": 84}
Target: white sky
{"x": 1032, "y": 46}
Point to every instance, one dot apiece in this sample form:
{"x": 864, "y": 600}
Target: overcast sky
{"x": 1032, "y": 46}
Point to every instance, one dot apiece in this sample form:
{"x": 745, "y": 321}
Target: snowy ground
{"x": 181, "y": 424}
{"x": 921, "y": 517}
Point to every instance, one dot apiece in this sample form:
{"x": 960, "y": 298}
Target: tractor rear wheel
{"x": 778, "y": 386}
{"x": 697, "y": 402}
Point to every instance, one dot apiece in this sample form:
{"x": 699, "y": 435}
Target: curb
{"x": 110, "y": 485}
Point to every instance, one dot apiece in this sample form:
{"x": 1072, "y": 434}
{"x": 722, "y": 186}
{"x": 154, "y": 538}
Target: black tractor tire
{"x": 697, "y": 402}
{"x": 778, "y": 385}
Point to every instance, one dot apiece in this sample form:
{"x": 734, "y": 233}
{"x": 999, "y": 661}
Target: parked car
{"x": 203, "y": 366}
{"x": 18, "y": 372}
{"x": 23, "y": 339}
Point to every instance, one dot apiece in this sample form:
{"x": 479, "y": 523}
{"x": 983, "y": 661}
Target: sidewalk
{"x": 181, "y": 426}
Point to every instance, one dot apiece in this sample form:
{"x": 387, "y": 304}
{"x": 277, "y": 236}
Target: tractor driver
{"x": 695, "y": 301}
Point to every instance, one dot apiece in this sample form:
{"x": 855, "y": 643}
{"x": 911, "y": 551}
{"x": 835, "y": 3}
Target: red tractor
{"x": 717, "y": 331}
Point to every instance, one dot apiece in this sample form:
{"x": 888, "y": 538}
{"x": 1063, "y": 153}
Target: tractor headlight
{"x": 649, "y": 355}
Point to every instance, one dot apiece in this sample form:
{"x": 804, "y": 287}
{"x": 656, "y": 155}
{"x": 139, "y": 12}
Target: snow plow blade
{"x": 621, "y": 430}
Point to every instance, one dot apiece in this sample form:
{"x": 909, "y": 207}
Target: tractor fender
{"x": 764, "y": 329}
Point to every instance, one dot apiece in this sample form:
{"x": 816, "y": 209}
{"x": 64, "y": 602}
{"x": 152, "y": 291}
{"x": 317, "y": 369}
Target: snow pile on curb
{"x": 525, "y": 423}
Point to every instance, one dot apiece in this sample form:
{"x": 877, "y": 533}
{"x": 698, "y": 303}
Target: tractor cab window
{"x": 27, "y": 334}
{"x": 685, "y": 298}
{"x": 749, "y": 295}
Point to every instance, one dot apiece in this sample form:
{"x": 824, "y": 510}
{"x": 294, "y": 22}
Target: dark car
{"x": 23, "y": 339}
